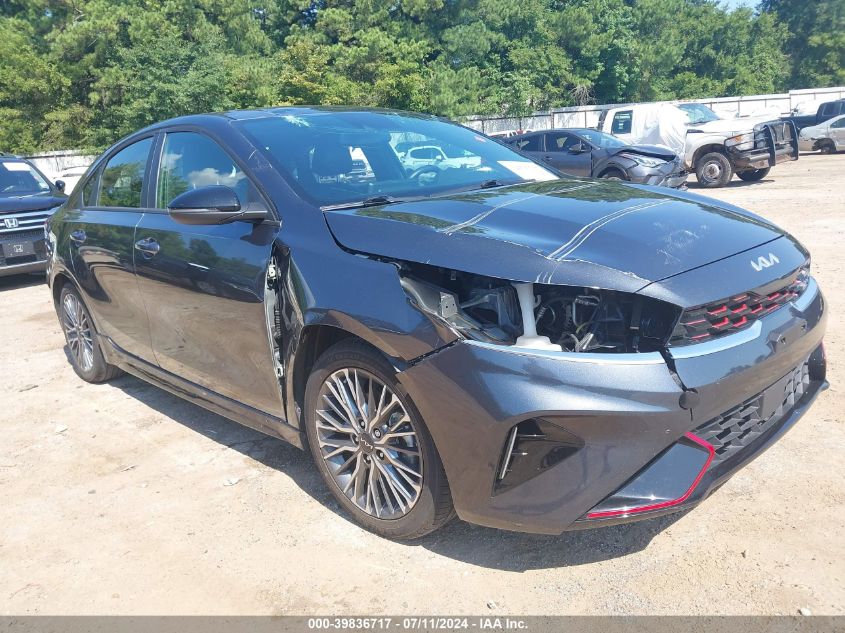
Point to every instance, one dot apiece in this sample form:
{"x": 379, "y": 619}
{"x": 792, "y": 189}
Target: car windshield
{"x": 339, "y": 158}
{"x": 18, "y": 177}
{"x": 600, "y": 139}
{"x": 698, "y": 113}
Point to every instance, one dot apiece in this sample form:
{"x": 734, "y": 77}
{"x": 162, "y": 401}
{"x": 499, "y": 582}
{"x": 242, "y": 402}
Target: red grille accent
{"x": 703, "y": 323}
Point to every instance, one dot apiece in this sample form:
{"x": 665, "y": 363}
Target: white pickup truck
{"x": 713, "y": 147}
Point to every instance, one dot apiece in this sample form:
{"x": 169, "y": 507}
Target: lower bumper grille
{"x": 733, "y": 431}
{"x": 39, "y": 248}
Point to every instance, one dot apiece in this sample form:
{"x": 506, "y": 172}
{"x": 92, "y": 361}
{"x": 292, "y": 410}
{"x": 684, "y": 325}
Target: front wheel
{"x": 371, "y": 445}
{"x": 713, "y": 170}
{"x": 753, "y": 175}
{"x": 613, "y": 174}
{"x": 827, "y": 147}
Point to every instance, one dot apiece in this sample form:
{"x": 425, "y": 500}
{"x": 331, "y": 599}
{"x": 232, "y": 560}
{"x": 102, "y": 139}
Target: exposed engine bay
{"x": 565, "y": 318}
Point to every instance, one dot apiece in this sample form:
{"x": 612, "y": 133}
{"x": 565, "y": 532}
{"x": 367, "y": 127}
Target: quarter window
{"x": 122, "y": 182}
{"x": 88, "y": 191}
{"x": 622, "y": 122}
{"x": 190, "y": 161}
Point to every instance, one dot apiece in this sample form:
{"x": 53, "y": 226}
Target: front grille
{"x": 780, "y": 131}
{"x": 707, "y": 322}
{"x": 733, "y": 431}
{"x": 23, "y": 221}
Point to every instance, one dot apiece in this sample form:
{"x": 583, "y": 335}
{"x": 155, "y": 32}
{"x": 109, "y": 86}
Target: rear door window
{"x": 122, "y": 182}
{"x": 529, "y": 143}
{"x": 829, "y": 109}
{"x": 622, "y": 122}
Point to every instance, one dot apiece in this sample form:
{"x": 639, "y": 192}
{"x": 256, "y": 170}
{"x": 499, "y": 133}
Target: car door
{"x": 101, "y": 225}
{"x": 203, "y": 285}
{"x": 568, "y": 153}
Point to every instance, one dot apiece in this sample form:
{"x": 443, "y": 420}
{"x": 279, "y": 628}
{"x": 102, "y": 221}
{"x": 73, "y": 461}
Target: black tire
{"x": 713, "y": 170}
{"x": 753, "y": 175}
{"x": 93, "y": 367}
{"x": 614, "y": 174}
{"x": 433, "y": 507}
{"x": 827, "y": 147}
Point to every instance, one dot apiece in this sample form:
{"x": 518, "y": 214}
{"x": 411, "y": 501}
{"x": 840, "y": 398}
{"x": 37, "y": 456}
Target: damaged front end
{"x": 540, "y": 316}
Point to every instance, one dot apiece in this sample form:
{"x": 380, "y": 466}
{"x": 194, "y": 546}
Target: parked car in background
{"x": 585, "y": 152}
{"x": 714, "y": 148}
{"x": 27, "y": 199}
{"x": 526, "y": 351}
{"x": 828, "y": 137}
{"x": 825, "y": 112}
{"x": 419, "y": 156}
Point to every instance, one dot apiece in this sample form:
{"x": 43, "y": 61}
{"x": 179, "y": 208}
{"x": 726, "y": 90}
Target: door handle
{"x": 78, "y": 236}
{"x": 148, "y": 247}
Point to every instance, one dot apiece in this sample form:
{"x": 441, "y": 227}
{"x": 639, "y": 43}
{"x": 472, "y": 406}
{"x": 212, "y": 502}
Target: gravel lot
{"x": 122, "y": 498}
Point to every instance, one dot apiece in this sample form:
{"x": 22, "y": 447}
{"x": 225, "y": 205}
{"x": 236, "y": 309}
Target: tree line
{"x": 82, "y": 73}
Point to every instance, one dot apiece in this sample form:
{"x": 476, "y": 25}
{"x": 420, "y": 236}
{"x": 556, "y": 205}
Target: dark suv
{"x": 479, "y": 338}
{"x": 27, "y": 199}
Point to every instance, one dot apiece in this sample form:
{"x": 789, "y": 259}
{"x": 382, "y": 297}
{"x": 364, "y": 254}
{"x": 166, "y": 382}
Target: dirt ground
{"x": 122, "y": 498}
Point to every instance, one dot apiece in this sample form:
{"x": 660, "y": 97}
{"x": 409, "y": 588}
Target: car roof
{"x": 279, "y": 112}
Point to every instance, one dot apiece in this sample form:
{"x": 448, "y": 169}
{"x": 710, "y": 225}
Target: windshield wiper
{"x": 357, "y": 204}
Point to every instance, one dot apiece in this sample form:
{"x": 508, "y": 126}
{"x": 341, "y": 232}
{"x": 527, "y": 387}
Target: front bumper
{"x": 610, "y": 417}
{"x": 774, "y": 143}
{"x": 670, "y": 174}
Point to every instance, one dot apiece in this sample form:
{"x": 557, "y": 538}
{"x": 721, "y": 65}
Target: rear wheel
{"x": 371, "y": 446}
{"x": 86, "y": 357}
{"x": 827, "y": 147}
{"x": 713, "y": 170}
{"x": 753, "y": 175}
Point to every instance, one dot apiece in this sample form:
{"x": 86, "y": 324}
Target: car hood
{"x": 569, "y": 231}
{"x": 654, "y": 151}
{"x": 30, "y": 202}
{"x": 730, "y": 126}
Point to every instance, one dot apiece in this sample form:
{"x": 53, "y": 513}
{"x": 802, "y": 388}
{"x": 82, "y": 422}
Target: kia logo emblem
{"x": 764, "y": 262}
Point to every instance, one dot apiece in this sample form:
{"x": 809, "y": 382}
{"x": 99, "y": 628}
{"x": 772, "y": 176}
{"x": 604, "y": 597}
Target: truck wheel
{"x": 827, "y": 147}
{"x": 753, "y": 175}
{"x": 713, "y": 170}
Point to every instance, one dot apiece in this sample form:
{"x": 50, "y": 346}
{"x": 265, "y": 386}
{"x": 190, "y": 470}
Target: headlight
{"x": 566, "y": 318}
{"x": 740, "y": 139}
{"x": 645, "y": 161}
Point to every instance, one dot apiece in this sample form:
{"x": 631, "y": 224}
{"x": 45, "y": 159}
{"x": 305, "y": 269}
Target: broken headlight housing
{"x": 566, "y": 318}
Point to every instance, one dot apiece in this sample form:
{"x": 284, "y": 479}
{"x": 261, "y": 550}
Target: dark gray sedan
{"x": 586, "y": 152}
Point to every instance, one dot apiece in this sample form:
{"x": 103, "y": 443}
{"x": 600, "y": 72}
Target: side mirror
{"x": 215, "y": 204}
{"x": 60, "y": 185}
{"x": 578, "y": 148}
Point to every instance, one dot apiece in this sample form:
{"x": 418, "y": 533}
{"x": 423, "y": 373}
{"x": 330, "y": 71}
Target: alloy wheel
{"x": 78, "y": 332}
{"x": 369, "y": 444}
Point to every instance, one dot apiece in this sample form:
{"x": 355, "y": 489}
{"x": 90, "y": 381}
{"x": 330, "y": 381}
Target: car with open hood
{"x": 27, "y": 199}
{"x": 590, "y": 153}
{"x": 488, "y": 340}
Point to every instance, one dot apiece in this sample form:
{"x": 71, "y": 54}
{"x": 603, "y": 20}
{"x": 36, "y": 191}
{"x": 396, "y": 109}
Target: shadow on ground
{"x": 736, "y": 183}
{"x": 13, "y": 282}
{"x": 484, "y": 547}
